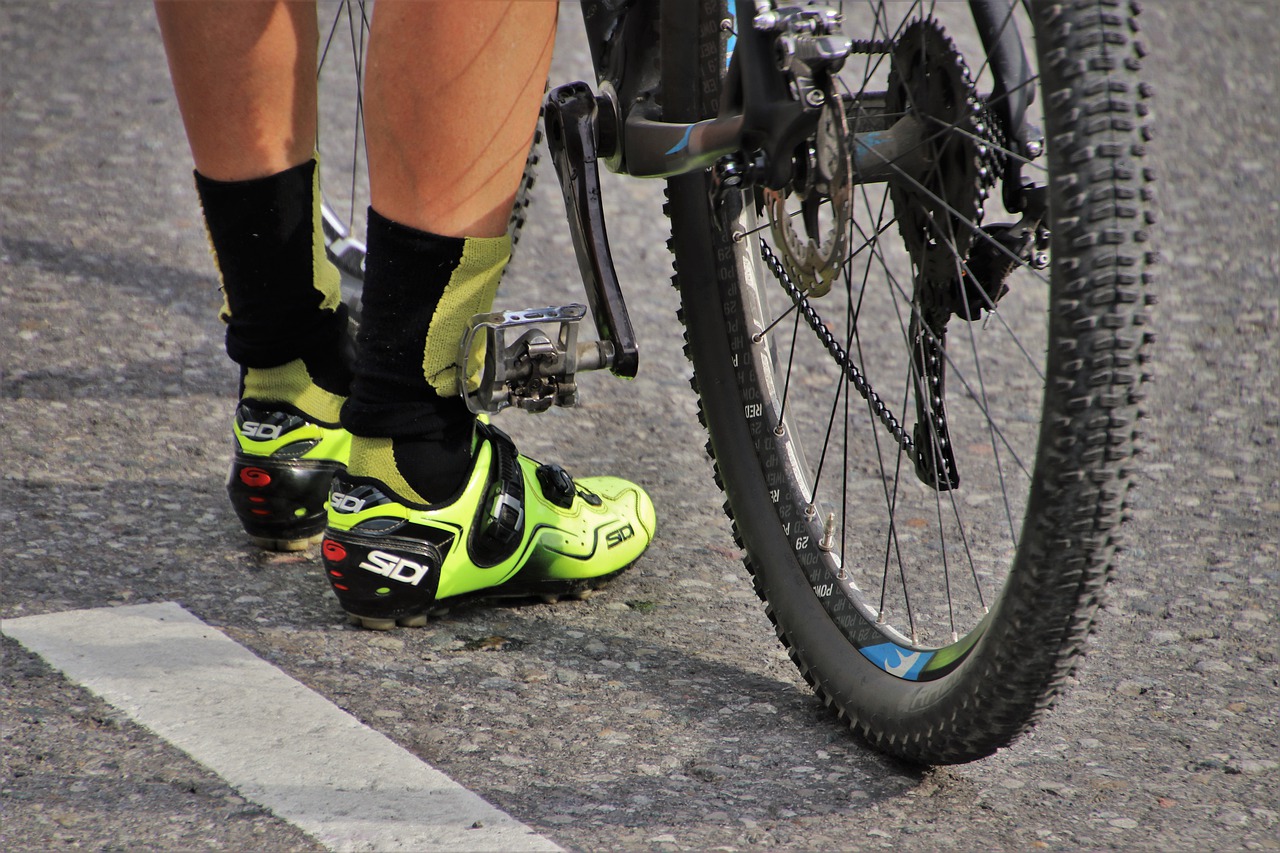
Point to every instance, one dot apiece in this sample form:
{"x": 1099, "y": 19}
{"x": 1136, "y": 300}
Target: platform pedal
{"x": 529, "y": 359}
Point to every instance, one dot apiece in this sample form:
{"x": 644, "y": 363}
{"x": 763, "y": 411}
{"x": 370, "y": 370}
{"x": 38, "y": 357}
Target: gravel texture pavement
{"x": 661, "y": 714}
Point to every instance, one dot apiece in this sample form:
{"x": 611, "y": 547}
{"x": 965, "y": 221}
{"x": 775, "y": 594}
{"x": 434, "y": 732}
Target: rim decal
{"x": 896, "y": 660}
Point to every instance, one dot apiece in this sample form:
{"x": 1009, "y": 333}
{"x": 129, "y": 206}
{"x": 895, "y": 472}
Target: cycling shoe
{"x": 281, "y": 471}
{"x": 517, "y": 528}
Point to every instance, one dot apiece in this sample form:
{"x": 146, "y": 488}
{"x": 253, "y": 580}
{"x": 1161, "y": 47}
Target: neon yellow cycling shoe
{"x": 281, "y": 471}
{"x": 517, "y": 529}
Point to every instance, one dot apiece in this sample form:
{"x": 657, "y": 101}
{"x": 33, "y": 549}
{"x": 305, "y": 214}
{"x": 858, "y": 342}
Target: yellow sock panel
{"x": 291, "y": 383}
{"x": 374, "y": 457}
{"x": 470, "y": 291}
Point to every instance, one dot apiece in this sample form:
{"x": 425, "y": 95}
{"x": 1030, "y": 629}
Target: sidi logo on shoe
{"x": 346, "y": 503}
{"x": 395, "y": 568}
{"x": 260, "y": 431}
{"x": 617, "y": 537}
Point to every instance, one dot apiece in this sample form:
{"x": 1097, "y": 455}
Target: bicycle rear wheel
{"x": 340, "y": 143}
{"x": 927, "y": 465}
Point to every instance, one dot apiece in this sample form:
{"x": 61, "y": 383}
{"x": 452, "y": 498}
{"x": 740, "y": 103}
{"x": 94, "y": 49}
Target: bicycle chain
{"x": 939, "y": 220}
{"x": 838, "y": 353}
{"x": 987, "y": 168}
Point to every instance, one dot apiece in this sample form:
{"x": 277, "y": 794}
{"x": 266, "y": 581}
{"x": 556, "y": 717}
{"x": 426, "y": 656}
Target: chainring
{"x": 939, "y": 210}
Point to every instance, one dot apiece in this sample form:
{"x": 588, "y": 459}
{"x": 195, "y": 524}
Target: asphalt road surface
{"x": 662, "y": 714}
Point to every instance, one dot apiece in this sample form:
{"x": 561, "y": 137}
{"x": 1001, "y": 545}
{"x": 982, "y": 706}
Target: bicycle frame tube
{"x": 759, "y": 112}
{"x": 1003, "y": 44}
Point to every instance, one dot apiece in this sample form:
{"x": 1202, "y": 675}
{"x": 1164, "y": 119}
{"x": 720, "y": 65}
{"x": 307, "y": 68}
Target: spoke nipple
{"x": 757, "y": 338}
{"x": 810, "y": 511}
{"x": 779, "y": 430}
{"x": 739, "y": 235}
{"x": 829, "y": 536}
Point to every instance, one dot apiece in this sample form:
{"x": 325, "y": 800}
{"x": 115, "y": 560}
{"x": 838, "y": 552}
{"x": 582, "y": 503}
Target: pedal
{"x": 530, "y": 358}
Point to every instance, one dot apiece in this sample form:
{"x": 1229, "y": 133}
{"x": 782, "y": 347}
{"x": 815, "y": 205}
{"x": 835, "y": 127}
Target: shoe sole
{"x": 547, "y": 593}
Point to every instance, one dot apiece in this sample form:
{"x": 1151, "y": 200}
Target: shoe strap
{"x": 499, "y": 523}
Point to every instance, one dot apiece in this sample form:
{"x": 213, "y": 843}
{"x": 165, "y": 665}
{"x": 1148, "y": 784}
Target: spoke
{"x": 769, "y": 224}
{"x": 841, "y": 381}
{"x": 963, "y": 266}
{"x": 946, "y": 563}
{"x": 960, "y": 374}
{"x": 1008, "y": 152}
{"x": 984, "y": 404}
{"x": 893, "y": 548}
{"x": 759, "y": 336}
{"x": 866, "y": 273}
{"x": 786, "y": 385}
{"x": 923, "y": 563}
{"x": 893, "y": 527}
{"x": 978, "y": 231}
{"x": 955, "y": 508}
{"x": 851, "y": 327}
{"x": 981, "y": 400}
{"x": 358, "y": 42}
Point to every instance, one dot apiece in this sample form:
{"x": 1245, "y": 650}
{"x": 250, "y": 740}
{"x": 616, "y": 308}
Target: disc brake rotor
{"x": 824, "y": 190}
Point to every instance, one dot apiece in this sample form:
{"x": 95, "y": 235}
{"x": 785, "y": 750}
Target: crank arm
{"x": 570, "y": 119}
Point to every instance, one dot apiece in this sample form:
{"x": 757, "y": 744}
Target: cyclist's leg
{"x": 451, "y": 101}
{"x": 449, "y": 122}
{"x": 244, "y": 75}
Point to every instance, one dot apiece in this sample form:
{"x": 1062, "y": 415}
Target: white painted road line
{"x": 279, "y": 743}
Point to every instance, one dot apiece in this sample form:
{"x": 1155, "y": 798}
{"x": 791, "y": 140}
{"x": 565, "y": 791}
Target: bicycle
{"x": 914, "y": 274}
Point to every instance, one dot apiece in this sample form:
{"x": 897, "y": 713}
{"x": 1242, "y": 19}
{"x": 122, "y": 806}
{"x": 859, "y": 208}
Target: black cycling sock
{"x": 408, "y": 330}
{"x": 282, "y": 295}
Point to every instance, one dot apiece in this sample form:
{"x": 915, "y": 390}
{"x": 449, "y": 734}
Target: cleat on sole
{"x": 269, "y": 544}
{"x": 373, "y": 623}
